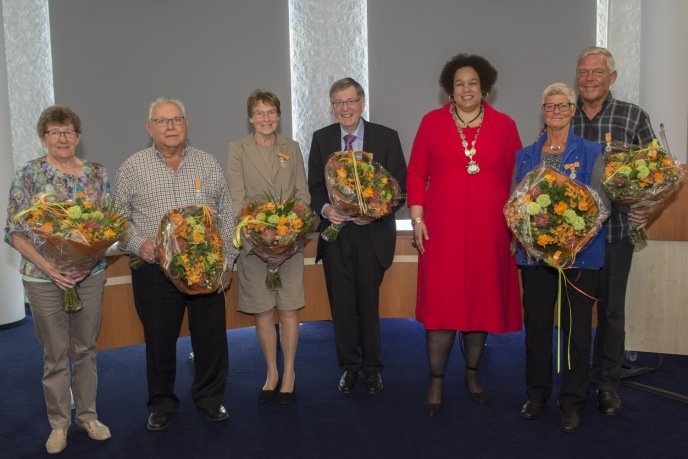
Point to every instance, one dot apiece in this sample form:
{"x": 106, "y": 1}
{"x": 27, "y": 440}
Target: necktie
{"x": 349, "y": 142}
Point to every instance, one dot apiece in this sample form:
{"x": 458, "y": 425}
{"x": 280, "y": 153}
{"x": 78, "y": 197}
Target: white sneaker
{"x": 96, "y": 430}
{"x": 57, "y": 441}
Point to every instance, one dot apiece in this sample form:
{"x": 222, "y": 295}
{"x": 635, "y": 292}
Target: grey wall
{"x": 112, "y": 58}
{"x": 531, "y": 43}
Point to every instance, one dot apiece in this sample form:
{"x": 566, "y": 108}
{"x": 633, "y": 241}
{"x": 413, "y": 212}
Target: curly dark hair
{"x": 485, "y": 71}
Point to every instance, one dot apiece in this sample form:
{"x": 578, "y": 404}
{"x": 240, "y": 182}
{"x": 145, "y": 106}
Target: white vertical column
{"x": 328, "y": 41}
{"x": 12, "y": 296}
{"x": 623, "y": 40}
{"x": 602, "y": 23}
{"x": 29, "y": 72}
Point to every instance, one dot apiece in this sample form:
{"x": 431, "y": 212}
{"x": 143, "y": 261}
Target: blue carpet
{"x": 323, "y": 423}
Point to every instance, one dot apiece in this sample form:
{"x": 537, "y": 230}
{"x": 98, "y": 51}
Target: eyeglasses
{"x": 342, "y": 103}
{"x": 163, "y": 122}
{"x": 563, "y": 107}
{"x": 56, "y": 134}
{"x": 262, "y": 114}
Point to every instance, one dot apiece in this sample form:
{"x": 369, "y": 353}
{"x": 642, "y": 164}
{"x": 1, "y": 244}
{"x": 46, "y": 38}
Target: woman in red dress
{"x": 459, "y": 177}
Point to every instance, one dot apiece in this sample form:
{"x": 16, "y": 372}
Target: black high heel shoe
{"x": 265, "y": 396}
{"x": 433, "y": 407}
{"x": 470, "y": 376}
{"x": 286, "y": 398}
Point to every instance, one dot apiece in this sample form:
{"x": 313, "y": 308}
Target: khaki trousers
{"x": 69, "y": 348}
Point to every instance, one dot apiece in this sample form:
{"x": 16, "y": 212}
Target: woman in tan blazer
{"x": 265, "y": 162}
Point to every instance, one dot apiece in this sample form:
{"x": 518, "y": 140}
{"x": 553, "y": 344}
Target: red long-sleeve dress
{"x": 467, "y": 279}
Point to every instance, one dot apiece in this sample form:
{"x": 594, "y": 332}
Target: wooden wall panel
{"x": 121, "y": 325}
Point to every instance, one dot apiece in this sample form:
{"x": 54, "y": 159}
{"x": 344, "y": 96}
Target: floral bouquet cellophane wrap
{"x": 358, "y": 187}
{"x": 191, "y": 250}
{"x": 640, "y": 176}
{"x": 553, "y": 216}
{"x": 274, "y": 229}
{"x": 73, "y": 234}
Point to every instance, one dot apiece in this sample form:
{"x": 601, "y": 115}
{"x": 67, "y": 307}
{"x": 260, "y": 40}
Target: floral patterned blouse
{"x": 37, "y": 177}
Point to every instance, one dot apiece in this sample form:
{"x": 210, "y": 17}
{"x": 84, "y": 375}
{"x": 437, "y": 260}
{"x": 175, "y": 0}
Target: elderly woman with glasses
{"x": 265, "y": 162}
{"x": 68, "y": 338}
{"x": 581, "y": 160}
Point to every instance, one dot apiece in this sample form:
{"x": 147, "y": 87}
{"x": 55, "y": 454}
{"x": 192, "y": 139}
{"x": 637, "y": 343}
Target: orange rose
{"x": 560, "y": 208}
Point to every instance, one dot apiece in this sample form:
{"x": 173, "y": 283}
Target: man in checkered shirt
{"x": 599, "y": 113}
{"x": 171, "y": 174}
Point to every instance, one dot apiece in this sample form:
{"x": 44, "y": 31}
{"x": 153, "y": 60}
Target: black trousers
{"x": 353, "y": 276}
{"x": 610, "y": 338}
{"x": 540, "y": 286}
{"x": 160, "y": 306}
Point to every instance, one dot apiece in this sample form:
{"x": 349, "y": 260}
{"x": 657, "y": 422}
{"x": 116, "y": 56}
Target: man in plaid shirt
{"x": 599, "y": 113}
{"x": 171, "y": 174}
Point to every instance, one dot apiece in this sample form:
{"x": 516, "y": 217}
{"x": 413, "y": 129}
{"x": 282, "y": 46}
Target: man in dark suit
{"x": 356, "y": 261}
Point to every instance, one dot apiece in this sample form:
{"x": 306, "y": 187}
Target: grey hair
{"x": 344, "y": 83}
{"x": 166, "y": 100}
{"x": 590, "y": 50}
{"x": 559, "y": 88}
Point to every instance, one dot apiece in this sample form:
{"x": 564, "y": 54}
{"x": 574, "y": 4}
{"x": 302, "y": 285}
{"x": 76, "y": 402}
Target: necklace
{"x": 472, "y": 167}
{"x": 480, "y": 112}
{"x": 553, "y": 147}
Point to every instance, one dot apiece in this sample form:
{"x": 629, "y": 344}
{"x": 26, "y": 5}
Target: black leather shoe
{"x": 215, "y": 414}
{"x": 348, "y": 381}
{"x": 531, "y": 410}
{"x": 609, "y": 402}
{"x": 373, "y": 382}
{"x": 286, "y": 398}
{"x": 569, "y": 421}
{"x": 158, "y": 421}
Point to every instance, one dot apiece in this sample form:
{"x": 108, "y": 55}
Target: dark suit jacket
{"x": 384, "y": 143}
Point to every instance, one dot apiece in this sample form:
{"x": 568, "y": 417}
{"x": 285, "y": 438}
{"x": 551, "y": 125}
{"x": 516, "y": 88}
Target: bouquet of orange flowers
{"x": 190, "y": 249}
{"x": 637, "y": 176}
{"x": 553, "y": 216}
{"x": 74, "y": 234}
{"x": 275, "y": 229}
{"x": 358, "y": 187}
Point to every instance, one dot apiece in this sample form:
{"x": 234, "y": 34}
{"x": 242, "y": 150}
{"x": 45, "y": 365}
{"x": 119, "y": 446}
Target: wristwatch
{"x": 415, "y": 221}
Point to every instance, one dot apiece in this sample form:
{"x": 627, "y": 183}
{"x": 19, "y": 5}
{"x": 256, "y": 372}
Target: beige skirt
{"x": 254, "y": 296}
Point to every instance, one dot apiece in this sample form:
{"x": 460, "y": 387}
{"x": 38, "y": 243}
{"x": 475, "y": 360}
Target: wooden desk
{"x": 121, "y": 325}
{"x": 657, "y": 293}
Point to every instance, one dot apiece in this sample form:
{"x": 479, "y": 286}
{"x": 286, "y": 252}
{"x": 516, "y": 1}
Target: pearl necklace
{"x": 472, "y": 167}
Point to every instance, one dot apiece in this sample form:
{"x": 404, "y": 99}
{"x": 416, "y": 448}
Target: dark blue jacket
{"x": 579, "y": 150}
